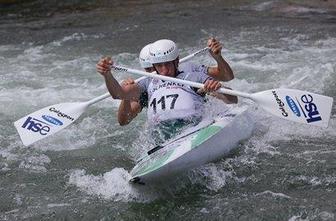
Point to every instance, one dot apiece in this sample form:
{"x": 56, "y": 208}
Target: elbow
{"x": 123, "y": 123}
{"x": 229, "y": 77}
{"x": 224, "y": 75}
{"x": 122, "y": 120}
{"x": 226, "y": 78}
{"x": 113, "y": 95}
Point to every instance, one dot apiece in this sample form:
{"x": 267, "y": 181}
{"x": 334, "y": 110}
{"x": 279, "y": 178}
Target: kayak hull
{"x": 204, "y": 145}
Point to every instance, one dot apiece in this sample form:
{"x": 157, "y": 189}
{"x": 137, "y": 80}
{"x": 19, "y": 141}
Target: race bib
{"x": 172, "y": 103}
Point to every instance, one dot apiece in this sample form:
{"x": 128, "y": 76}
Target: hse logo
{"x": 307, "y": 106}
{"x": 37, "y": 126}
{"x": 52, "y": 120}
{"x": 310, "y": 110}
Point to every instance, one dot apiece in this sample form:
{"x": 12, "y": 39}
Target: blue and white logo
{"x": 291, "y": 103}
{"x": 52, "y": 120}
{"x": 310, "y": 110}
{"x": 36, "y": 126}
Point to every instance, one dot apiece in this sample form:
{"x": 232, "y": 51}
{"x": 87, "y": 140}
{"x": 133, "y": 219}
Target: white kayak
{"x": 206, "y": 142}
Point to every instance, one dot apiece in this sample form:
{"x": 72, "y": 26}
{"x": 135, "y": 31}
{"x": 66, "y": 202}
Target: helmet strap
{"x": 157, "y": 72}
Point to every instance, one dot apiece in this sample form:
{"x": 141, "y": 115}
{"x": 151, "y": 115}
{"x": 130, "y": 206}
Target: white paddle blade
{"x": 296, "y": 105}
{"x": 47, "y": 121}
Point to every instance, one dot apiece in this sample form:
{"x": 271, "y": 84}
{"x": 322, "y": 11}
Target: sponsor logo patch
{"x": 292, "y": 105}
{"x": 309, "y": 108}
{"x": 52, "y": 120}
{"x": 120, "y": 69}
{"x": 280, "y": 103}
{"x": 61, "y": 114}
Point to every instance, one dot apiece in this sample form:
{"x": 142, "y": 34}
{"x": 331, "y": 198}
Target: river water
{"x": 48, "y": 52}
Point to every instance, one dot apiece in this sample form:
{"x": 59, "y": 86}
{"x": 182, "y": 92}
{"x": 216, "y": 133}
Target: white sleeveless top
{"x": 169, "y": 101}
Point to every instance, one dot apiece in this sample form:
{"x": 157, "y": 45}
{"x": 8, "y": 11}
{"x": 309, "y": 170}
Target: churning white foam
{"x": 113, "y": 185}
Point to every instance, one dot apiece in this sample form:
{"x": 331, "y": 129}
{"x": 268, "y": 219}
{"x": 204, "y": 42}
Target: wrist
{"x": 218, "y": 58}
{"x": 107, "y": 74}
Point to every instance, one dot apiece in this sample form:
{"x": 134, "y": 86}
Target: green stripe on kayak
{"x": 204, "y": 135}
{"x": 154, "y": 165}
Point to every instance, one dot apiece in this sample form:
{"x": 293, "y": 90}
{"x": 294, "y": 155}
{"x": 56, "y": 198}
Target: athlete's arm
{"x": 223, "y": 71}
{"x": 210, "y": 86}
{"x": 128, "y": 110}
{"x": 229, "y": 99}
{"x": 129, "y": 92}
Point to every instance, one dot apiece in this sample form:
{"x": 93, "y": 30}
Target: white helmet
{"x": 163, "y": 50}
{"x": 144, "y": 57}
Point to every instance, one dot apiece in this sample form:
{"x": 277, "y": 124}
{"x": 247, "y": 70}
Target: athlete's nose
{"x": 164, "y": 69}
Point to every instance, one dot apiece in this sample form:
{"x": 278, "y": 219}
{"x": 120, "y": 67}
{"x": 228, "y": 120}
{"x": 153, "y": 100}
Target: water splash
{"x": 113, "y": 185}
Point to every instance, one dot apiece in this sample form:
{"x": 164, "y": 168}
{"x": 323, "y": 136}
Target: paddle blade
{"x": 47, "y": 121}
{"x": 296, "y": 105}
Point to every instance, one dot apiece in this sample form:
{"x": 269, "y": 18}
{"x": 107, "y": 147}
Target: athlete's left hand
{"x": 215, "y": 47}
{"x": 211, "y": 85}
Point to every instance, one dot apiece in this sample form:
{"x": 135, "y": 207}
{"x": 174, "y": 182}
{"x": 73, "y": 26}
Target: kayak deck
{"x": 199, "y": 145}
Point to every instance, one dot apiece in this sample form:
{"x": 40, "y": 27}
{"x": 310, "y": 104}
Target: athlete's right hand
{"x": 127, "y": 81}
{"x": 104, "y": 66}
{"x": 211, "y": 85}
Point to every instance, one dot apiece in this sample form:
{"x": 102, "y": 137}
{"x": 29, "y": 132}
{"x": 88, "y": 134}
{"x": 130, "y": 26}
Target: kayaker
{"x": 128, "y": 110}
{"x": 171, "y": 106}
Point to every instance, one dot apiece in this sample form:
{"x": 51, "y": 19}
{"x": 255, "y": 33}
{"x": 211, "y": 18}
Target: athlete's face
{"x": 166, "y": 68}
